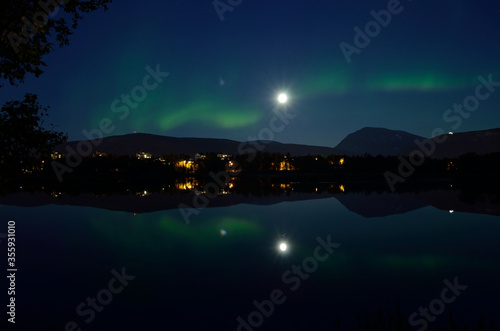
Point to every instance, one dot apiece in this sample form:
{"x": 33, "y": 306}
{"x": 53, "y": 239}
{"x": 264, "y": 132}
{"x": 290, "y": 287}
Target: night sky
{"x": 224, "y": 76}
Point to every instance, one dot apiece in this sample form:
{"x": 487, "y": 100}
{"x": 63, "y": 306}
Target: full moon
{"x": 282, "y": 98}
{"x": 283, "y": 247}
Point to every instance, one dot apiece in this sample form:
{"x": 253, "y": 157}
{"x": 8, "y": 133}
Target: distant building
{"x": 96, "y": 154}
{"x": 186, "y": 164}
{"x": 144, "y": 155}
{"x": 144, "y": 193}
{"x": 199, "y": 156}
{"x": 285, "y": 165}
{"x": 56, "y": 155}
{"x": 224, "y": 156}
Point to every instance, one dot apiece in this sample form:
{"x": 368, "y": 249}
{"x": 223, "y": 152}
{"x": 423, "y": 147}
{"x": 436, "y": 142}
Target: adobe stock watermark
{"x": 121, "y": 106}
{"x": 294, "y": 277}
{"x": 221, "y": 7}
{"x": 39, "y": 20}
{"x": 437, "y": 306}
{"x": 87, "y": 309}
{"x": 277, "y": 124}
{"x": 372, "y": 29}
{"x": 455, "y": 115}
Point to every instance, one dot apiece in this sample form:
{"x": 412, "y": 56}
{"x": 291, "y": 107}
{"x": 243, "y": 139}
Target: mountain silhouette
{"x": 457, "y": 144}
{"x": 368, "y": 140}
{"x": 377, "y": 141}
{"x": 131, "y": 144}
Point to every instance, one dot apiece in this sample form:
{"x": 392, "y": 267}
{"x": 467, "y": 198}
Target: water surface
{"x": 393, "y": 248}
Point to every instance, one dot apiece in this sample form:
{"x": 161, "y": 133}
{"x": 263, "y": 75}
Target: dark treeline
{"x": 273, "y": 167}
{"x": 269, "y": 162}
{"x": 264, "y": 174}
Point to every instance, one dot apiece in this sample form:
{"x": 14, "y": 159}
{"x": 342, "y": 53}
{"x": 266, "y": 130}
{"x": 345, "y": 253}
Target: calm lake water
{"x": 205, "y": 275}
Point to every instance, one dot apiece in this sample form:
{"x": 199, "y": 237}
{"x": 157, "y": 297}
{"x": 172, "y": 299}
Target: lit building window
{"x": 99, "y": 154}
{"x": 187, "y": 164}
{"x": 144, "y": 193}
{"x": 144, "y": 155}
{"x": 56, "y": 155}
{"x": 285, "y": 165}
{"x": 199, "y": 156}
{"x": 224, "y": 156}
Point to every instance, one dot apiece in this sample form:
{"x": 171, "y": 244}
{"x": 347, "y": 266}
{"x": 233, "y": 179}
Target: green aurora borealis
{"x": 224, "y": 76}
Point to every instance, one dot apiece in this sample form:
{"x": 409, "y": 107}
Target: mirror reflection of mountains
{"x": 366, "y": 204}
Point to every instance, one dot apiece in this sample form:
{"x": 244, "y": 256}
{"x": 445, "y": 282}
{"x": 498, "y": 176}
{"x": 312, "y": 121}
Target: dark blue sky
{"x": 224, "y": 75}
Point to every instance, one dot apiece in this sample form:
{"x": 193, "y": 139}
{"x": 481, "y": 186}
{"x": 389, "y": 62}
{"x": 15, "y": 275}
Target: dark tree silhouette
{"x": 30, "y": 30}
{"x": 24, "y": 141}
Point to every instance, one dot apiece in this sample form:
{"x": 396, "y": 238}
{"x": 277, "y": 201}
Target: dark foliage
{"x": 31, "y": 29}
{"x": 25, "y": 144}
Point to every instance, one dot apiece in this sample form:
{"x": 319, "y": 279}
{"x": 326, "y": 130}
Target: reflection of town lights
{"x": 283, "y": 247}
